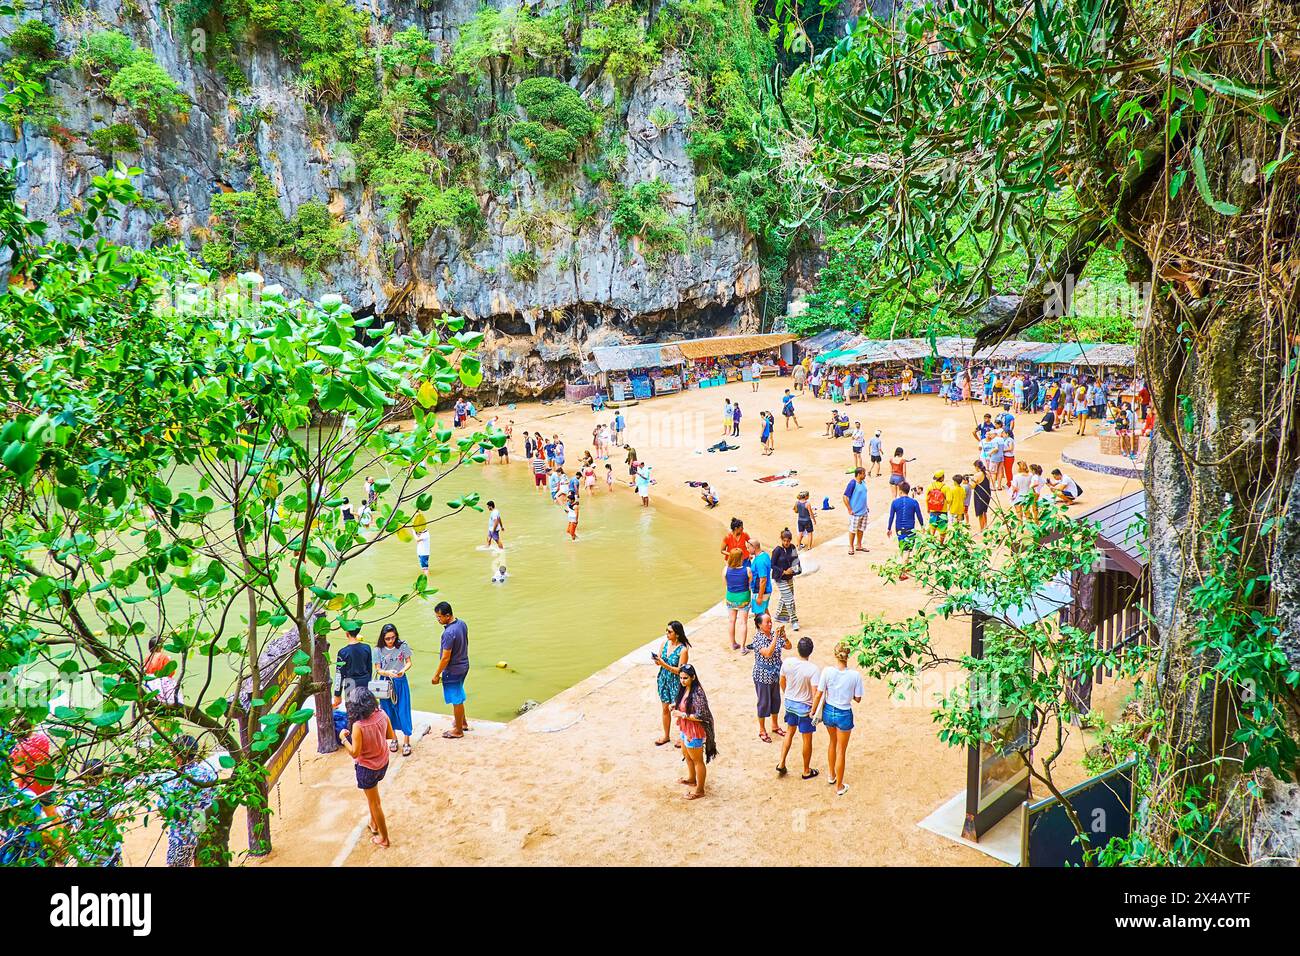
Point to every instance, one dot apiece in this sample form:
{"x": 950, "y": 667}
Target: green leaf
{"x": 1203, "y": 186}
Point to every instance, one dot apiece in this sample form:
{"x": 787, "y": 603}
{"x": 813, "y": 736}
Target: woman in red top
{"x": 158, "y": 658}
{"x": 366, "y": 739}
{"x": 737, "y": 540}
{"x": 31, "y": 751}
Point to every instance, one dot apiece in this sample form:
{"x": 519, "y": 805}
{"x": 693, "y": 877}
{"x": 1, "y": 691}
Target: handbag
{"x": 796, "y": 566}
{"x": 382, "y": 688}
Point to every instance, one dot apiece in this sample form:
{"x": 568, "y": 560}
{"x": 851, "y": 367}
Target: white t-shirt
{"x": 422, "y": 544}
{"x": 840, "y": 686}
{"x": 800, "y": 677}
{"x": 1020, "y": 486}
{"x": 494, "y": 520}
{"x": 1069, "y": 487}
{"x": 758, "y": 370}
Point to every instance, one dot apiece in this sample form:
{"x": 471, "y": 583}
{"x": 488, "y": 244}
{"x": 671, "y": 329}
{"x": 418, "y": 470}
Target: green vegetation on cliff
{"x": 250, "y": 223}
{"x": 130, "y": 75}
{"x": 438, "y": 133}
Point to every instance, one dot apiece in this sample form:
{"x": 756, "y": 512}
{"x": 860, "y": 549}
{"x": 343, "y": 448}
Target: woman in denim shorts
{"x": 838, "y": 689}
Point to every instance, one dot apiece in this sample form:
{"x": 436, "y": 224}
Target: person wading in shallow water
{"x": 695, "y": 724}
{"x": 453, "y": 667}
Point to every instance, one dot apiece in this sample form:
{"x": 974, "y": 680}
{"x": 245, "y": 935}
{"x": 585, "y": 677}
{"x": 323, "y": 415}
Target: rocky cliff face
{"x": 585, "y": 286}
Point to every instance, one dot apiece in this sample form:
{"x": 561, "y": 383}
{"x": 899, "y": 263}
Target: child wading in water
{"x": 571, "y": 513}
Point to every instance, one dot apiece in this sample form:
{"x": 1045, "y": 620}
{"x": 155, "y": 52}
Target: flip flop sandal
{"x": 778, "y": 731}
{"x": 660, "y": 743}
{"x": 450, "y": 736}
{"x": 810, "y": 774}
{"x": 765, "y": 738}
{"x": 781, "y": 771}
{"x": 392, "y": 746}
{"x": 406, "y": 750}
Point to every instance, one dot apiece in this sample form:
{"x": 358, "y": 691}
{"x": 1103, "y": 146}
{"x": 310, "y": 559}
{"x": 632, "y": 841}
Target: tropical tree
{"x": 1018, "y": 693}
{"x": 1061, "y": 128}
{"x": 174, "y": 460}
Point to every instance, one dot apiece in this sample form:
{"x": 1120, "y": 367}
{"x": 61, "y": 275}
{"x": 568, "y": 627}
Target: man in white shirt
{"x": 1066, "y": 488}
{"x": 757, "y": 372}
{"x": 798, "y": 683}
{"x": 494, "y": 525}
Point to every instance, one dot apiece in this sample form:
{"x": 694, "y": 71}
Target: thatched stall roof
{"x": 623, "y": 358}
{"x": 1106, "y": 353}
{"x": 827, "y": 340}
{"x": 719, "y": 345}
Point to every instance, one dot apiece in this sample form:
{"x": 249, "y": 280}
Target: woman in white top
{"x": 1021, "y": 487}
{"x": 838, "y": 689}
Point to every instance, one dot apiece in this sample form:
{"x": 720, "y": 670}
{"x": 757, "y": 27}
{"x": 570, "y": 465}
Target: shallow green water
{"x": 567, "y": 608}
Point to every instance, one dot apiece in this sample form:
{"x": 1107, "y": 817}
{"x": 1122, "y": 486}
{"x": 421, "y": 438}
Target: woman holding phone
{"x": 671, "y": 658}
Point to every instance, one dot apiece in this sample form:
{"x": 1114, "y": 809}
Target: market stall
{"x": 637, "y": 372}
{"x": 730, "y": 358}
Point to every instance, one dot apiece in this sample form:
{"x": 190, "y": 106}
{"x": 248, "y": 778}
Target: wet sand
{"x": 579, "y": 781}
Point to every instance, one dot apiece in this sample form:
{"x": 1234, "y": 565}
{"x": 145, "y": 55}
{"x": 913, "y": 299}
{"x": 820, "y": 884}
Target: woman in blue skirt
{"x": 394, "y": 661}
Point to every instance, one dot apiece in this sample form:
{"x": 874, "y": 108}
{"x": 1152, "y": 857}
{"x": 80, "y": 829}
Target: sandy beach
{"x": 579, "y": 781}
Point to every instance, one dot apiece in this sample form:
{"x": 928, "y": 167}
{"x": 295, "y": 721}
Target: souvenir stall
{"x": 890, "y": 358}
{"x": 638, "y": 372}
{"x": 730, "y": 358}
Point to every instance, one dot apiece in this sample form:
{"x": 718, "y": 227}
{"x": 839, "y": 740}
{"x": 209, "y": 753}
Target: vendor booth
{"x": 638, "y": 372}
{"x": 730, "y": 358}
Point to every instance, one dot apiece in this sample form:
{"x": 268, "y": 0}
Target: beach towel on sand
{"x": 785, "y": 474}
{"x": 722, "y": 446}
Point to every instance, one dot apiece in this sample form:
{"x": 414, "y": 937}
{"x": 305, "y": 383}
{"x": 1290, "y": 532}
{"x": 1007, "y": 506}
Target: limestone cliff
{"x": 548, "y": 268}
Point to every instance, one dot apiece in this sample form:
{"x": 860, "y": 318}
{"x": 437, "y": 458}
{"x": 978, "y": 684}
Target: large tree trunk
{"x": 1214, "y": 352}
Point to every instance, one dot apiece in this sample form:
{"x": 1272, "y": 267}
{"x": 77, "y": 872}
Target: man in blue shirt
{"x": 618, "y": 428}
{"x": 855, "y": 500}
{"x": 904, "y": 516}
{"x": 453, "y": 667}
{"x": 984, "y": 428}
{"x": 787, "y": 409}
{"x": 760, "y": 581}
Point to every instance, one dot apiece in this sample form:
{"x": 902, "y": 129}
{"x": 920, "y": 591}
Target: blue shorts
{"x": 756, "y": 607}
{"x": 424, "y": 561}
{"x": 453, "y": 691}
{"x": 802, "y": 721}
{"x": 368, "y": 779}
{"x": 834, "y": 717}
{"x": 692, "y": 743}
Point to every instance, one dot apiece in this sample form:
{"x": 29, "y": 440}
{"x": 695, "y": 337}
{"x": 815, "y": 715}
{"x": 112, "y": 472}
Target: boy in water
{"x": 495, "y": 527}
{"x": 571, "y": 514}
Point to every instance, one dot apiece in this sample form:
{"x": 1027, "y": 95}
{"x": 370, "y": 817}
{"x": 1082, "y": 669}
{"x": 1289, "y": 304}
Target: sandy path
{"x": 578, "y": 780}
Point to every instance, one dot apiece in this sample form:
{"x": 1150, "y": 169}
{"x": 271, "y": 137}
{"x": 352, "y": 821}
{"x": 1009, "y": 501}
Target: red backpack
{"x": 936, "y": 499}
